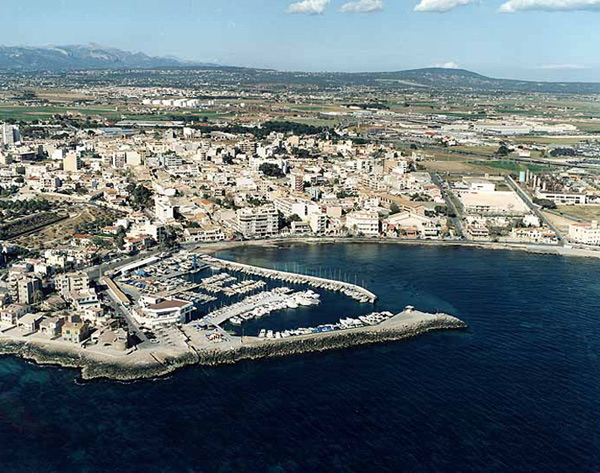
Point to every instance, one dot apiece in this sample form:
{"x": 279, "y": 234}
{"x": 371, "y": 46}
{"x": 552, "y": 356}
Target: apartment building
{"x": 363, "y": 222}
{"x": 257, "y": 222}
{"x": 586, "y": 233}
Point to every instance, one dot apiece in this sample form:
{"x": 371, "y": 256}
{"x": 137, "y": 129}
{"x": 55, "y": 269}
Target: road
{"x": 534, "y": 208}
{"x": 437, "y": 180}
{"x": 134, "y": 328}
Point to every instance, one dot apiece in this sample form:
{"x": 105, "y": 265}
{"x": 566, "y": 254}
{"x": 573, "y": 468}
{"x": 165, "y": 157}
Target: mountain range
{"x": 92, "y": 56}
{"x": 72, "y": 57}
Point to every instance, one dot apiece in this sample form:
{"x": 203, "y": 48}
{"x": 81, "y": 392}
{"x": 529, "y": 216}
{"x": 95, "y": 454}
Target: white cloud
{"x": 563, "y": 67}
{"x": 441, "y": 6}
{"x": 447, "y": 65}
{"x": 311, "y": 7}
{"x": 362, "y": 6}
{"x": 512, "y": 6}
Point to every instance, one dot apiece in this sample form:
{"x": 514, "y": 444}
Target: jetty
{"x": 354, "y": 291}
{"x": 196, "y": 348}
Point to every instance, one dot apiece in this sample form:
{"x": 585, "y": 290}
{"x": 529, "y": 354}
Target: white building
{"x": 562, "y": 197}
{"x": 364, "y": 222}
{"x": 257, "y": 222}
{"x": 10, "y": 134}
{"x": 165, "y": 312}
{"x": 317, "y": 222}
{"x": 587, "y": 233}
{"x": 164, "y": 211}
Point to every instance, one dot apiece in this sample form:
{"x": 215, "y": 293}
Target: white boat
{"x": 291, "y": 303}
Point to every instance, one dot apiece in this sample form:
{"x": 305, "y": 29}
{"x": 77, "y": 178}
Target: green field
{"x": 583, "y": 212}
{"x": 42, "y": 113}
{"x": 512, "y": 166}
{"x": 27, "y": 114}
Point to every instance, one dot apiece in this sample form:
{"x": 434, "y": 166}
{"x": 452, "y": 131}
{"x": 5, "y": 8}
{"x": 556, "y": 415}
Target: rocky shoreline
{"x": 147, "y": 364}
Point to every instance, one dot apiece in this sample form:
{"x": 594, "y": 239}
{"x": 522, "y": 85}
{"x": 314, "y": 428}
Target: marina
{"x": 373, "y": 318}
{"x": 353, "y": 291}
{"x": 259, "y": 305}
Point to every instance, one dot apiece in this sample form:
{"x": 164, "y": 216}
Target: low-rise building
{"x": 166, "y": 312}
{"x": 52, "y": 326}
{"x": 75, "y": 330}
{"x": 30, "y": 323}
{"x": 586, "y": 233}
{"x": 205, "y": 233}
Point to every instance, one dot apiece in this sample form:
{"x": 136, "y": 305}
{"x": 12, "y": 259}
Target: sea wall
{"x": 146, "y": 364}
{"x": 328, "y": 341}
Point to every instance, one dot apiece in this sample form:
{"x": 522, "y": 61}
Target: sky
{"x": 524, "y": 39}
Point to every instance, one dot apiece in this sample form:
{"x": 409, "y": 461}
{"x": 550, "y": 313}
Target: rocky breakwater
{"x": 154, "y": 363}
{"x": 401, "y": 326}
{"x": 135, "y": 365}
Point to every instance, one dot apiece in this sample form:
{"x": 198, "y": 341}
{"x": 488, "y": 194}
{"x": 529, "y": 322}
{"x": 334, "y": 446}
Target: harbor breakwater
{"x": 145, "y": 364}
{"x": 330, "y": 340}
{"x": 351, "y": 290}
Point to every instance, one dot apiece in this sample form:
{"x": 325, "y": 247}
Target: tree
{"x": 38, "y": 296}
{"x": 503, "y": 150}
{"x": 394, "y": 209}
{"x": 270, "y": 170}
{"x": 172, "y": 237}
{"x": 140, "y": 197}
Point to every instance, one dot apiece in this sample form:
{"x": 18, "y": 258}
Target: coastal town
{"x": 116, "y": 196}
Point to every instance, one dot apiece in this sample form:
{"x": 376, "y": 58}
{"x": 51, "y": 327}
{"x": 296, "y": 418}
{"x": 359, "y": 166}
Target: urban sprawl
{"x": 116, "y": 192}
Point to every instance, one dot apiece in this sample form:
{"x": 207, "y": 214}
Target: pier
{"x": 351, "y": 290}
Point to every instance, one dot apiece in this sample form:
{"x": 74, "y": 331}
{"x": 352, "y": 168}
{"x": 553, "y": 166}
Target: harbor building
{"x": 166, "y": 312}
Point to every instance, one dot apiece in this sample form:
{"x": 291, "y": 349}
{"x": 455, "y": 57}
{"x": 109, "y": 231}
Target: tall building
{"x": 10, "y": 134}
{"x": 72, "y": 282}
{"x": 258, "y": 222}
{"x": 317, "y": 222}
{"x": 164, "y": 210}
{"x": 72, "y": 162}
{"x": 5, "y": 159}
{"x": 26, "y": 288}
{"x": 297, "y": 181}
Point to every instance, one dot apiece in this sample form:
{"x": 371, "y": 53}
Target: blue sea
{"x": 518, "y": 391}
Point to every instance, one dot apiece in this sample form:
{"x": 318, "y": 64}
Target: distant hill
{"x": 461, "y": 79}
{"x": 77, "y": 57}
{"x": 65, "y": 58}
